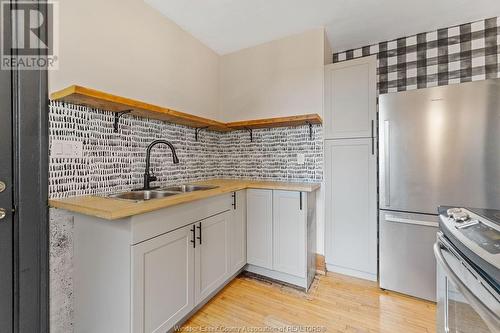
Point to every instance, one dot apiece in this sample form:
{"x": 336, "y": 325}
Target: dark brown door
{"x": 24, "y": 278}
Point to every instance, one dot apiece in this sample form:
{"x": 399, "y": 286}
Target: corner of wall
{"x": 327, "y": 48}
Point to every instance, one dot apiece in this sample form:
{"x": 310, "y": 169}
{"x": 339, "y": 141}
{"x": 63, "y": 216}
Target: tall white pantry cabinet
{"x": 350, "y": 166}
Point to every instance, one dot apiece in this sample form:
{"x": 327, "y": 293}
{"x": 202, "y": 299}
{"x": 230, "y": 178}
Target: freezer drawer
{"x": 407, "y": 263}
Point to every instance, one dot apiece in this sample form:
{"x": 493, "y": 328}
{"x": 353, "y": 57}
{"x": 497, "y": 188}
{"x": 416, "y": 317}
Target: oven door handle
{"x": 489, "y": 317}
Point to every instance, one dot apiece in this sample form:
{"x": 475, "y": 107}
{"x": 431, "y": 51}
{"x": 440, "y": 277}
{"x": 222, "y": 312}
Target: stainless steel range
{"x": 467, "y": 252}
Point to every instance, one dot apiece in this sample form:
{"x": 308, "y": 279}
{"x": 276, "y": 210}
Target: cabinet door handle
{"x": 234, "y": 200}
{"x": 300, "y": 200}
{"x": 193, "y": 230}
{"x": 199, "y": 228}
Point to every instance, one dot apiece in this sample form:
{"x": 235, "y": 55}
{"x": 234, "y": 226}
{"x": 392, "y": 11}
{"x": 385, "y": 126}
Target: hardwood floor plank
{"x": 335, "y": 302}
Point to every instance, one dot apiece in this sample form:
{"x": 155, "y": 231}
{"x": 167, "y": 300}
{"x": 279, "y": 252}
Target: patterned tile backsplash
{"x": 468, "y": 52}
{"x": 114, "y": 162}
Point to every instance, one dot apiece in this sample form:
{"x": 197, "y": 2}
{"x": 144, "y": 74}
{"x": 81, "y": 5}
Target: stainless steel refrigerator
{"x": 438, "y": 146}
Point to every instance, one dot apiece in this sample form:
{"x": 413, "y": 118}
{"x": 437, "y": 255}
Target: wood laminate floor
{"x": 335, "y": 303}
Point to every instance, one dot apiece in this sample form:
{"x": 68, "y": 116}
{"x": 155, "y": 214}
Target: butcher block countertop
{"x": 112, "y": 209}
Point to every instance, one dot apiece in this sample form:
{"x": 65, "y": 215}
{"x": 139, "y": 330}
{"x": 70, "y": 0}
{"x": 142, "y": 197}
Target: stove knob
{"x": 453, "y": 211}
{"x": 461, "y": 217}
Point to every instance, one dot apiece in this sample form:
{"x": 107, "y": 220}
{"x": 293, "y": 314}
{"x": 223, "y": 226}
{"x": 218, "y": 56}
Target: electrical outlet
{"x": 301, "y": 158}
{"x": 66, "y": 149}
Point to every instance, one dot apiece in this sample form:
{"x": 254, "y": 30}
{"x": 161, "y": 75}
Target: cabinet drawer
{"x": 149, "y": 225}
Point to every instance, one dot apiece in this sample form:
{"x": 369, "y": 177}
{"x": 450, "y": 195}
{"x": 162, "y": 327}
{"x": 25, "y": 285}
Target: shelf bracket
{"x": 197, "y": 130}
{"x": 117, "y": 119}
{"x": 310, "y": 130}
{"x": 249, "y": 130}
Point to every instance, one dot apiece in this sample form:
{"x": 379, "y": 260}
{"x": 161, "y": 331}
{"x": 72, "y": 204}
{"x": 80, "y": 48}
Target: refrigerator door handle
{"x": 373, "y": 138}
{"x": 387, "y": 159}
{"x": 390, "y": 218}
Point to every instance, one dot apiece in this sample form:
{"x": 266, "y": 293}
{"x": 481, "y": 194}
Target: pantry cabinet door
{"x": 350, "y": 99}
{"x": 351, "y": 207}
{"x": 163, "y": 281}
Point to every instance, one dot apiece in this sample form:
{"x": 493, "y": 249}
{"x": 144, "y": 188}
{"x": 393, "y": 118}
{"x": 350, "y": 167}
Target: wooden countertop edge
{"x": 127, "y": 209}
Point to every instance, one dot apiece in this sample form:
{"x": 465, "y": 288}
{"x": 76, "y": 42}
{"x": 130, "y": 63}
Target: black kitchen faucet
{"x": 148, "y": 178}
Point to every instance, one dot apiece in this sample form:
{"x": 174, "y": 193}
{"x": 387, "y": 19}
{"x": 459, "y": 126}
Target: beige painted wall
{"x": 279, "y": 78}
{"x": 327, "y": 51}
{"x": 127, "y": 48}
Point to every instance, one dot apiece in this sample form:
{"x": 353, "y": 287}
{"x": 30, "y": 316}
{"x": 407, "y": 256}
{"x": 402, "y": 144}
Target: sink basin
{"x": 187, "y": 188}
{"x": 142, "y": 195}
{"x": 160, "y": 193}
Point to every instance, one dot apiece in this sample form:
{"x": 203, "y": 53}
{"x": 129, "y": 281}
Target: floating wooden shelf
{"x": 97, "y": 99}
{"x": 276, "y": 122}
{"x": 101, "y": 100}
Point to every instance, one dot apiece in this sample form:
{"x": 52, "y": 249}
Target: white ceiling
{"x": 230, "y": 25}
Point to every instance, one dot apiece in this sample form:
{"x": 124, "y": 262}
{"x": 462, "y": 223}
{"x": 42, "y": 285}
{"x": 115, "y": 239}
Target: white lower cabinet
{"x": 289, "y": 233}
{"x": 238, "y": 232}
{"x": 175, "y": 272}
{"x": 278, "y": 242}
{"x": 211, "y": 255}
{"x": 147, "y": 273}
{"x": 260, "y": 228}
{"x": 163, "y": 281}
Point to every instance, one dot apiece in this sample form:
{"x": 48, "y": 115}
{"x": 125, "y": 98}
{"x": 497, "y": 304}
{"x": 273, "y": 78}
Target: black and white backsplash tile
{"x": 114, "y": 162}
{"x": 272, "y": 155}
{"x": 468, "y": 52}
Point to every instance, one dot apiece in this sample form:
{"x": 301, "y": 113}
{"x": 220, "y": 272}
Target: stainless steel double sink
{"x": 164, "y": 192}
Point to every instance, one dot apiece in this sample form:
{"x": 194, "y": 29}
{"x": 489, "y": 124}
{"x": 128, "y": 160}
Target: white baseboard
{"x": 295, "y": 280}
{"x": 351, "y": 272}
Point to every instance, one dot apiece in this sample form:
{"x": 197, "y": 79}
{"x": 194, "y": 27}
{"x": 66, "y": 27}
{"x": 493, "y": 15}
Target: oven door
{"x": 466, "y": 303}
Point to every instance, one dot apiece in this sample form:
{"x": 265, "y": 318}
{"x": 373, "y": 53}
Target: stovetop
{"x": 492, "y": 215}
{"x": 476, "y": 234}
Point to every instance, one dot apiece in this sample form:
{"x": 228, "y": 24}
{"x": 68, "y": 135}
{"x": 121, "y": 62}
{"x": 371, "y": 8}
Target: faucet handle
{"x": 153, "y": 177}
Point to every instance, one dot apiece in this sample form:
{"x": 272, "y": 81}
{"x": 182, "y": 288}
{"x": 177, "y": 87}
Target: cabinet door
{"x": 289, "y": 232}
{"x": 212, "y": 254}
{"x": 351, "y": 207}
{"x": 163, "y": 280}
{"x": 238, "y": 232}
{"x": 260, "y": 228}
{"x": 350, "y": 99}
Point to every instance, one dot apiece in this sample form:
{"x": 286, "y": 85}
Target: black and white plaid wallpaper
{"x": 468, "y": 52}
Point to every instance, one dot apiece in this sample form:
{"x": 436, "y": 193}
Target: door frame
{"x": 6, "y": 199}
{"x": 29, "y": 206}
